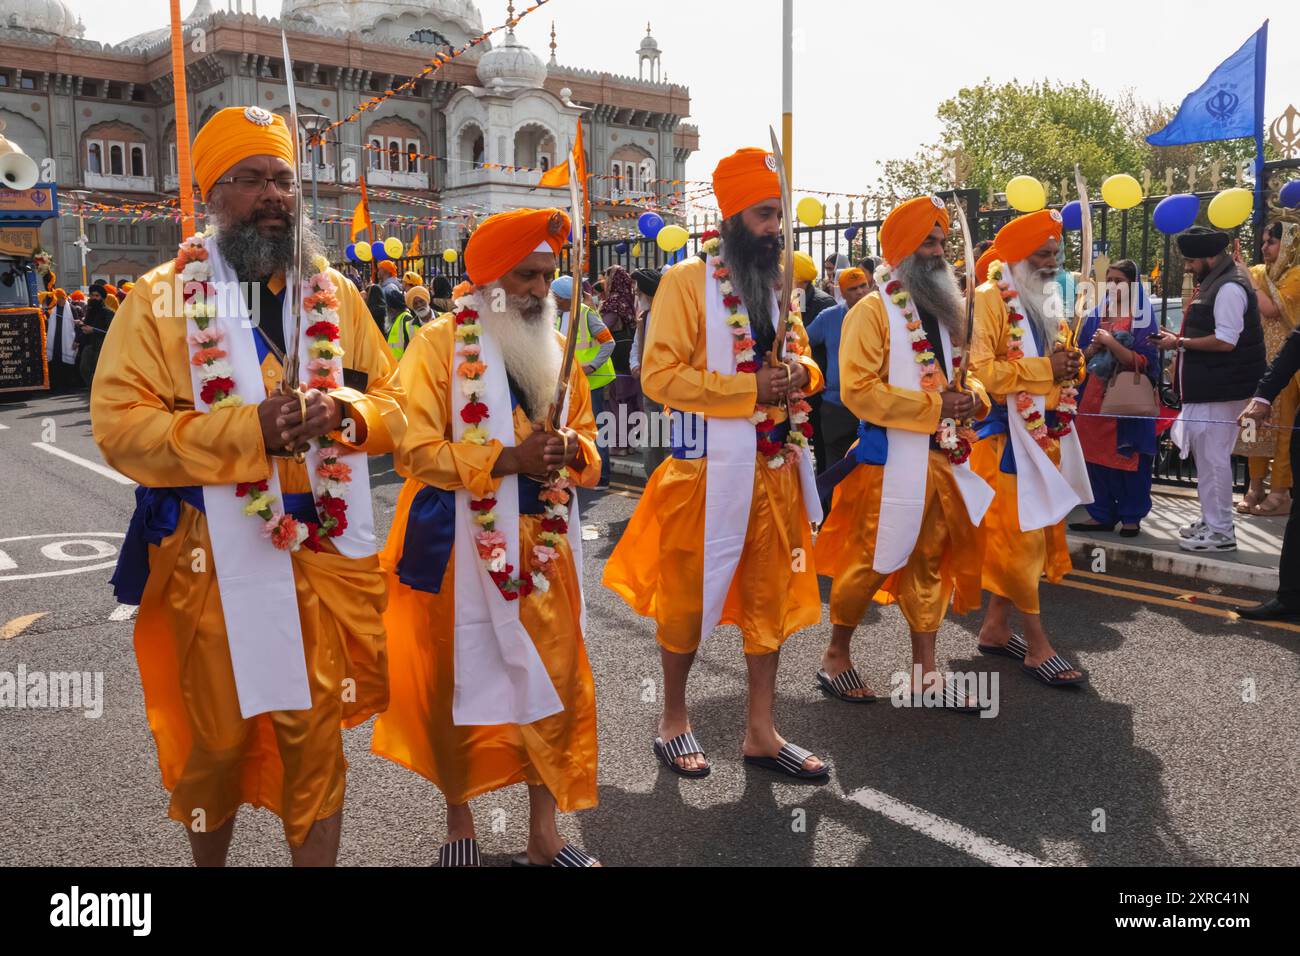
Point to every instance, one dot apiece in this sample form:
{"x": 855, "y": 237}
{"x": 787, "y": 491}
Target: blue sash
{"x": 157, "y": 513}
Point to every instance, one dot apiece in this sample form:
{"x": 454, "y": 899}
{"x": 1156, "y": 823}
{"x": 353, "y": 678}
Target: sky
{"x": 868, "y": 77}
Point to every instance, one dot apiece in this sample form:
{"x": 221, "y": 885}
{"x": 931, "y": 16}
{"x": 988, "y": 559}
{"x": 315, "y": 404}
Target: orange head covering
{"x": 411, "y": 279}
{"x": 388, "y": 268}
{"x": 109, "y": 290}
{"x": 745, "y": 178}
{"x": 76, "y": 295}
{"x": 126, "y": 287}
{"x": 233, "y": 135}
{"x": 851, "y": 277}
{"x": 503, "y": 241}
{"x": 462, "y": 289}
{"x": 1024, "y": 235}
{"x": 991, "y": 255}
{"x": 908, "y": 225}
{"x": 111, "y": 302}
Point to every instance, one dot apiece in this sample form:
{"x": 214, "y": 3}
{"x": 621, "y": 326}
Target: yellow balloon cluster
{"x": 364, "y": 252}
{"x": 450, "y": 255}
{"x": 1231, "y": 208}
{"x": 393, "y": 246}
{"x": 672, "y": 238}
{"x": 1121, "y": 191}
{"x": 1026, "y": 194}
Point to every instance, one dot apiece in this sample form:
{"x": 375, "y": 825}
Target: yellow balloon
{"x": 810, "y": 211}
{"x": 1121, "y": 191}
{"x": 450, "y": 255}
{"x": 393, "y": 246}
{"x": 364, "y": 252}
{"x": 1026, "y": 194}
{"x": 637, "y": 250}
{"x": 1231, "y": 208}
{"x": 672, "y": 238}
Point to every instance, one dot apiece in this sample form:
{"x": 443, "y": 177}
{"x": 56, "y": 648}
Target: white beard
{"x": 531, "y": 352}
{"x": 1041, "y": 299}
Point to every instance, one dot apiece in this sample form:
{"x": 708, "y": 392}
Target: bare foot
{"x": 769, "y": 745}
{"x": 835, "y": 662}
{"x": 668, "y": 729}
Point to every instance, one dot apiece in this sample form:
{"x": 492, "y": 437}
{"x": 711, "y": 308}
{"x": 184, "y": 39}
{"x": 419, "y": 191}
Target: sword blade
{"x": 787, "y": 235}
{"x": 293, "y": 275}
{"x": 961, "y": 351}
{"x": 1085, "y": 253}
{"x": 576, "y": 261}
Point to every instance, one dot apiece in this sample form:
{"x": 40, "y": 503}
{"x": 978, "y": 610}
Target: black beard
{"x": 755, "y": 265}
{"x": 254, "y": 256}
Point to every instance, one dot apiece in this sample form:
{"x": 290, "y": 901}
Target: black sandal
{"x": 789, "y": 760}
{"x": 840, "y": 685}
{"x": 459, "y": 853}
{"x": 570, "y": 855}
{"x": 1048, "y": 671}
{"x": 683, "y": 745}
{"x": 1016, "y": 648}
{"x": 949, "y": 700}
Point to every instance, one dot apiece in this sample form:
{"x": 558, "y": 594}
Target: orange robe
{"x": 1014, "y": 560}
{"x": 143, "y": 417}
{"x": 657, "y": 567}
{"x": 946, "y": 557}
{"x": 417, "y": 730}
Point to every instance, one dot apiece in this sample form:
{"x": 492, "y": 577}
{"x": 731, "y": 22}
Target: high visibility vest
{"x": 587, "y": 350}
{"x": 400, "y": 335}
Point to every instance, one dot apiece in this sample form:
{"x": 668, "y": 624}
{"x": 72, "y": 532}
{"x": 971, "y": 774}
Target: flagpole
{"x": 787, "y": 87}
{"x": 185, "y": 175}
{"x": 1261, "y": 61}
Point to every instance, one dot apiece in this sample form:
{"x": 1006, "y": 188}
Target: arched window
{"x": 376, "y": 154}
{"x": 394, "y": 156}
{"x": 137, "y": 161}
{"x": 95, "y": 158}
{"x": 116, "y": 161}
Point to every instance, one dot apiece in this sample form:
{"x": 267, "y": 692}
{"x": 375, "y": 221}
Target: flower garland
{"x": 1067, "y": 405}
{"x": 217, "y": 390}
{"x": 955, "y": 438}
{"x": 765, "y": 418}
{"x": 555, "y": 495}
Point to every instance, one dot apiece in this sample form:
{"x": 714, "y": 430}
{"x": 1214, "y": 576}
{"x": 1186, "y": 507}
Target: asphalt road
{"x": 1159, "y": 762}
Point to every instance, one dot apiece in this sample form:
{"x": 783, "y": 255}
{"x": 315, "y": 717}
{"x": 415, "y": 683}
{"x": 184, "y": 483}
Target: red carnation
{"x": 556, "y": 525}
{"x": 474, "y": 412}
{"x": 213, "y": 386}
{"x": 312, "y": 541}
{"x": 244, "y": 487}
{"x": 465, "y": 315}
{"x": 921, "y": 346}
{"x": 807, "y": 429}
{"x": 750, "y": 367}
{"x": 483, "y": 504}
{"x": 731, "y": 301}
{"x": 333, "y": 507}
{"x": 323, "y": 330}
{"x": 525, "y": 586}
{"x": 769, "y": 449}
{"x": 893, "y": 287}
{"x": 323, "y": 383}
{"x": 711, "y": 234}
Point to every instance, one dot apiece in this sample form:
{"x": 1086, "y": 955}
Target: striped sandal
{"x": 570, "y": 855}
{"x": 463, "y": 852}
{"x": 789, "y": 760}
{"x": 840, "y": 685}
{"x": 949, "y": 700}
{"x": 683, "y": 745}
{"x": 1048, "y": 672}
{"x": 1016, "y": 648}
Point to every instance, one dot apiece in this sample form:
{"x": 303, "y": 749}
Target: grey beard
{"x": 529, "y": 348}
{"x": 1041, "y": 299}
{"x": 932, "y": 284}
{"x": 753, "y": 282}
{"x": 254, "y": 256}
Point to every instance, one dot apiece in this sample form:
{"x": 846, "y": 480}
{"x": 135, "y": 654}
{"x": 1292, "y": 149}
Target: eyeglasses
{"x": 254, "y": 185}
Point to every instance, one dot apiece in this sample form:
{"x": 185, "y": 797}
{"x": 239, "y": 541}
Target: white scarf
{"x": 67, "y": 348}
{"x": 729, "y": 468}
{"x": 1044, "y": 493}
{"x": 259, "y": 598}
{"x": 499, "y": 676}
{"x": 902, "y": 495}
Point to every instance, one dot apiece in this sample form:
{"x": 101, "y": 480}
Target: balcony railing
{"x": 133, "y": 184}
{"x": 399, "y": 180}
{"x": 324, "y": 172}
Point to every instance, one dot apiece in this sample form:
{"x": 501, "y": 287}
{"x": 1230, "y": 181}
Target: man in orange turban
{"x": 491, "y": 685}
{"x": 712, "y": 537}
{"x": 897, "y": 358}
{"x": 1023, "y": 354}
{"x": 252, "y": 667}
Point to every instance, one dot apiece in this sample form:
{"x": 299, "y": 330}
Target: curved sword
{"x": 961, "y": 351}
{"x": 576, "y": 257}
{"x": 1085, "y": 252}
{"x": 777, "y": 354}
{"x": 293, "y": 275}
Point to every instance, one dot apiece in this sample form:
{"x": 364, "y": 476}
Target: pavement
{"x": 1182, "y": 750}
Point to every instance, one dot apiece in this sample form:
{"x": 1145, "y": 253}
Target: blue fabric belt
{"x": 431, "y": 533}
{"x": 157, "y": 513}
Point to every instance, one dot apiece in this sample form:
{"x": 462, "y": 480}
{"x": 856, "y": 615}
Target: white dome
{"x": 42, "y": 16}
{"x": 364, "y": 15}
{"x": 511, "y": 66}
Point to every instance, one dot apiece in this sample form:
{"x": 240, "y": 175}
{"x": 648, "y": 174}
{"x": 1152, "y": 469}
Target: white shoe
{"x": 1192, "y": 530}
{"x": 1209, "y": 540}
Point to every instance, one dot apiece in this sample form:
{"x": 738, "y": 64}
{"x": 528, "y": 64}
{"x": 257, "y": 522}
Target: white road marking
{"x": 943, "y": 831}
{"x": 3, "y": 426}
{"x": 9, "y": 562}
{"x": 123, "y": 612}
{"x": 94, "y": 466}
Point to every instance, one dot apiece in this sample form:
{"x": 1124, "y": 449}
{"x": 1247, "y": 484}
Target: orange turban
{"x": 745, "y": 178}
{"x": 60, "y": 296}
{"x": 388, "y": 268}
{"x": 233, "y": 135}
{"x": 851, "y": 277}
{"x": 991, "y": 255}
{"x": 503, "y": 241}
{"x": 908, "y": 225}
{"x": 76, "y": 295}
{"x": 1025, "y": 235}
{"x": 110, "y": 290}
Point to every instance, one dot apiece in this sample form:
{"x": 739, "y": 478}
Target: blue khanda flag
{"x": 1230, "y": 104}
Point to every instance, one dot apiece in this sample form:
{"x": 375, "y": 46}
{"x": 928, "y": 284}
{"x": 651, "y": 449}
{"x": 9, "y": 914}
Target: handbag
{"x": 1130, "y": 395}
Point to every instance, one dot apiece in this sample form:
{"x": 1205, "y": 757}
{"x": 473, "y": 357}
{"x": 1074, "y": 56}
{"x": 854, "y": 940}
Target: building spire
{"x": 553, "y": 63}
{"x": 510, "y": 18}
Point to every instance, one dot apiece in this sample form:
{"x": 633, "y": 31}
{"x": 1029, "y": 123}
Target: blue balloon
{"x": 851, "y": 233}
{"x": 1176, "y": 213}
{"x": 351, "y": 252}
{"x": 378, "y": 251}
{"x": 1289, "y": 197}
{"x": 1072, "y": 216}
{"x": 650, "y": 223}
{"x": 621, "y": 248}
